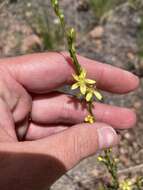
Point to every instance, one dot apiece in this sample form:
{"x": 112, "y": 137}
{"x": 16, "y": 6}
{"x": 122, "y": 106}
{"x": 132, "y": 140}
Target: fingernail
{"x": 107, "y": 137}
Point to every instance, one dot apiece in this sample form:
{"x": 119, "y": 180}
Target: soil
{"x": 112, "y": 40}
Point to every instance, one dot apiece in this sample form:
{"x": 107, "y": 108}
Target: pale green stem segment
{"x": 81, "y": 81}
{"x": 71, "y": 38}
{"x": 70, "y": 35}
{"x": 112, "y": 168}
{"x": 59, "y": 13}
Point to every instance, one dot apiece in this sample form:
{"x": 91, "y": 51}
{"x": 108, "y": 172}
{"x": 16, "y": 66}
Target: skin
{"x": 50, "y": 124}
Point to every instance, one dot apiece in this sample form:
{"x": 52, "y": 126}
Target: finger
{"x": 14, "y": 96}
{"x": 54, "y": 155}
{"x": 6, "y": 122}
{"x": 36, "y": 131}
{"x": 44, "y": 72}
{"x": 108, "y": 77}
{"x": 78, "y": 142}
{"x": 66, "y": 109}
{"x": 74, "y": 144}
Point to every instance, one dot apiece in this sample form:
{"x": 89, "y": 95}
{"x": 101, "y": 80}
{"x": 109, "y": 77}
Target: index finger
{"x": 44, "y": 72}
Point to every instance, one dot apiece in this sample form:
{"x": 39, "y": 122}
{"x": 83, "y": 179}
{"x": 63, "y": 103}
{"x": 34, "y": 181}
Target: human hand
{"x": 55, "y": 138}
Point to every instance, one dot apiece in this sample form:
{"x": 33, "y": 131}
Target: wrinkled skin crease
{"x": 13, "y": 96}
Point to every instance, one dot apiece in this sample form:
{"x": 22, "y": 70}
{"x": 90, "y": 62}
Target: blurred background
{"x": 110, "y": 31}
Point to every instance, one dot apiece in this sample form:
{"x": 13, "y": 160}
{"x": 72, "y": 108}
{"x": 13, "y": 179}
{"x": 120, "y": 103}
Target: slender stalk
{"x": 112, "y": 168}
{"x": 70, "y": 35}
{"x": 71, "y": 38}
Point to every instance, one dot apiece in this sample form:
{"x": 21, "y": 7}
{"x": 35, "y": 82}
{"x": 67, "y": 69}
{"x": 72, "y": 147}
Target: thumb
{"x": 79, "y": 142}
{"x": 44, "y": 161}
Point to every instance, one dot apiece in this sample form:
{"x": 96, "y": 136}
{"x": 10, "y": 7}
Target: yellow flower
{"x": 82, "y": 82}
{"x": 101, "y": 159}
{"x": 91, "y": 92}
{"x": 89, "y": 119}
{"x": 126, "y": 185}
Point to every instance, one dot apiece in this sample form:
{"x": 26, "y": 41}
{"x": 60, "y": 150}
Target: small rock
{"x": 28, "y": 14}
{"x": 98, "y": 44}
{"x": 97, "y": 32}
{"x": 137, "y": 105}
{"x": 30, "y": 42}
{"x": 29, "y": 4}
{"x": 122, "y": 151}
{"x": 127, "y": 136}
{"x": 130, "y": 56}
{"x": 95, "y": 172}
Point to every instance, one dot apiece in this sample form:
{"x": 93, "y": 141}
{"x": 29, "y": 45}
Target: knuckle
{"x": 72, "y": 111}
{"x": 3, "y": 89}
{"x": 7, "y": 86}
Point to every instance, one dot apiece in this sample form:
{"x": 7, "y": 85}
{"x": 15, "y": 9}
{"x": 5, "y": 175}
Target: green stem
{"x": 71, "y": 38}
{"x": 75, "y": 61}
{"x": 70, "y": 35}
{"x": 90, "y": 106}
{"x": 112, "y": 168}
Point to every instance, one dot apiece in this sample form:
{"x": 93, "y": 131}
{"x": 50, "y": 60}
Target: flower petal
{"x": 83, "y": 89}
{"x": 75, "y": 86}
{"x": 98, "y": 95}
{"x": 89, "y": 96}
{"x": 89, "y": 119}
{"x": 86, "y": 119}
{"x": 76, "y": 77}
{"x": 89, "y": 81}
